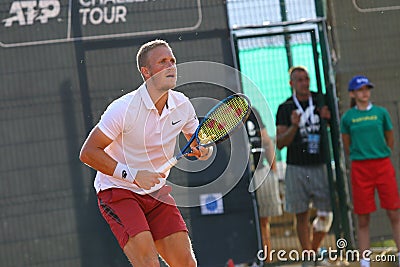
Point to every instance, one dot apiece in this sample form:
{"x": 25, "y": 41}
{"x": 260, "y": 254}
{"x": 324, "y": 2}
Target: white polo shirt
{"x": 143, "y": 139}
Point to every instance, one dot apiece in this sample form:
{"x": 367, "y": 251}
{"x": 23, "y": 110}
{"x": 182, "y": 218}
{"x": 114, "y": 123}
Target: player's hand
{"x": 295, "y": 117}
{"x": 146, "y": 179}
{"x": 201, "y": 153}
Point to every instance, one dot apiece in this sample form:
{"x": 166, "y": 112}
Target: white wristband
{"x": 125, "y": 173}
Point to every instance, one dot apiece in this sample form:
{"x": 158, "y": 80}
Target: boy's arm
{"x": 346, "y": 143}
{"x": 389, "y": 139}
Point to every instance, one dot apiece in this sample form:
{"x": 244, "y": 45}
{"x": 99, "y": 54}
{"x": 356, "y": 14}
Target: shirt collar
{"x": 149, "y": 103}
{"x": 146, "y": 97}
{"x": 171, "y": 104}
{"x": 368, "y": 107}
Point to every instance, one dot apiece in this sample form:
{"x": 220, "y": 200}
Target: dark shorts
{"x": 368, "y": 175}
{"x": 129, "y": 213}
{"x": 307, "y": 185}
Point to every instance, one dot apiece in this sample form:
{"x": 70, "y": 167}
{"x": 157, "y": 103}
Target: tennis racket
{"x": 216, "y": 126}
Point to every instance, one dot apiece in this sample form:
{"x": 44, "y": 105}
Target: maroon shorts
{"x": 129, "y": 213}
{"x": 368, "y": 175}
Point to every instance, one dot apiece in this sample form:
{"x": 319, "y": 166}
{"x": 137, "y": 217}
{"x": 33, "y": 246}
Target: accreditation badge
{"x": 313, "y": 143}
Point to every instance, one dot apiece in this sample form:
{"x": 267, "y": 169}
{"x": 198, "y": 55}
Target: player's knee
{"x": 182, "y": 262}
{"x": 148, "y": 262}
{"x": 191, "y": 263}
{"x": 323, "y": 221}
{"x": 188, "y": 260}
{"x": 146, "y": 257}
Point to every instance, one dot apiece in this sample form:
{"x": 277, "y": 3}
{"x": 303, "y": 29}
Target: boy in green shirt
{"x": 368, "y": 139}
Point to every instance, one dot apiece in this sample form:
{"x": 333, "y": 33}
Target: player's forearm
{"x": 99, "y": 160}
{"x": 286, "y": 138}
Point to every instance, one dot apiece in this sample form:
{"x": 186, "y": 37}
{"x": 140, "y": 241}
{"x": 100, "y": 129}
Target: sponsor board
{"x": 33, "y": 22}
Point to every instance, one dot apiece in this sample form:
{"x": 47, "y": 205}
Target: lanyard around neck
{"x": 300, "y": 108}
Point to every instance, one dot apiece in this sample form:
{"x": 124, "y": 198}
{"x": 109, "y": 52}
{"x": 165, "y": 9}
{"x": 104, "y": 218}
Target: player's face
{"x": 161, "y": 68}
{"x": 300, "y": 82}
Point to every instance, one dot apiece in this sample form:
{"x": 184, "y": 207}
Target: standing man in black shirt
{"x": 298, "y": 123}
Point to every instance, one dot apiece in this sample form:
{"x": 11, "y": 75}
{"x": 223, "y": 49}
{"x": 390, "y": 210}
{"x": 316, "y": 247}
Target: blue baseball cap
{"x": 358, "y": 81}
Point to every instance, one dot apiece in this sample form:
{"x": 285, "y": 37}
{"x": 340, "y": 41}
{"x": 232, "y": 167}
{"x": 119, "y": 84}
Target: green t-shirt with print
{"x": 367, "y": 132}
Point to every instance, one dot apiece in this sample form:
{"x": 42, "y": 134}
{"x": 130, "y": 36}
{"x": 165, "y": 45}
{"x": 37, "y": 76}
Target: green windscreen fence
{"x": 266, "y": 71}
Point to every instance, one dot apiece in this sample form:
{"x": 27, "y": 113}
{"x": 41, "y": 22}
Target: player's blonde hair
{"x": 141, "y": 57}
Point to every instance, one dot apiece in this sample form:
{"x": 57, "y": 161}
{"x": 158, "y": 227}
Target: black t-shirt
{"x": 254, "y": 124}
{"x": 298, "y": 152}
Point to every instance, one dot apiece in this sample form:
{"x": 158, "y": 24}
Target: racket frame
{"x": 182, "y": 153}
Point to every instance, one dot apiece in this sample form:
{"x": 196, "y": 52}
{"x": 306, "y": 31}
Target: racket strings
{"x": 225, "y": 118}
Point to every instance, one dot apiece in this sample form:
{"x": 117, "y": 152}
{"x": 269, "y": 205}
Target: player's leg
{"x": 122, "y": 211}
{"x": 141, "y": 250}
{"x": 176, "y": 250}
{"x": 169, "y": 232}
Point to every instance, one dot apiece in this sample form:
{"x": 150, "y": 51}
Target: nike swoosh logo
{"x": 175, "y": 122}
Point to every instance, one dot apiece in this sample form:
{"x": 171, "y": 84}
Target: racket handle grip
{"x": 167, "y": 165}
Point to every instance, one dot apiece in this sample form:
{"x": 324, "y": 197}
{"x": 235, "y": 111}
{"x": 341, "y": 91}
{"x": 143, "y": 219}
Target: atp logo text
{"x": 30, "y": 11}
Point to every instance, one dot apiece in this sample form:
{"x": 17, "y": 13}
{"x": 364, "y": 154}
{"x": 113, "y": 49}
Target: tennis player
{"x": 135, "y": 136}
